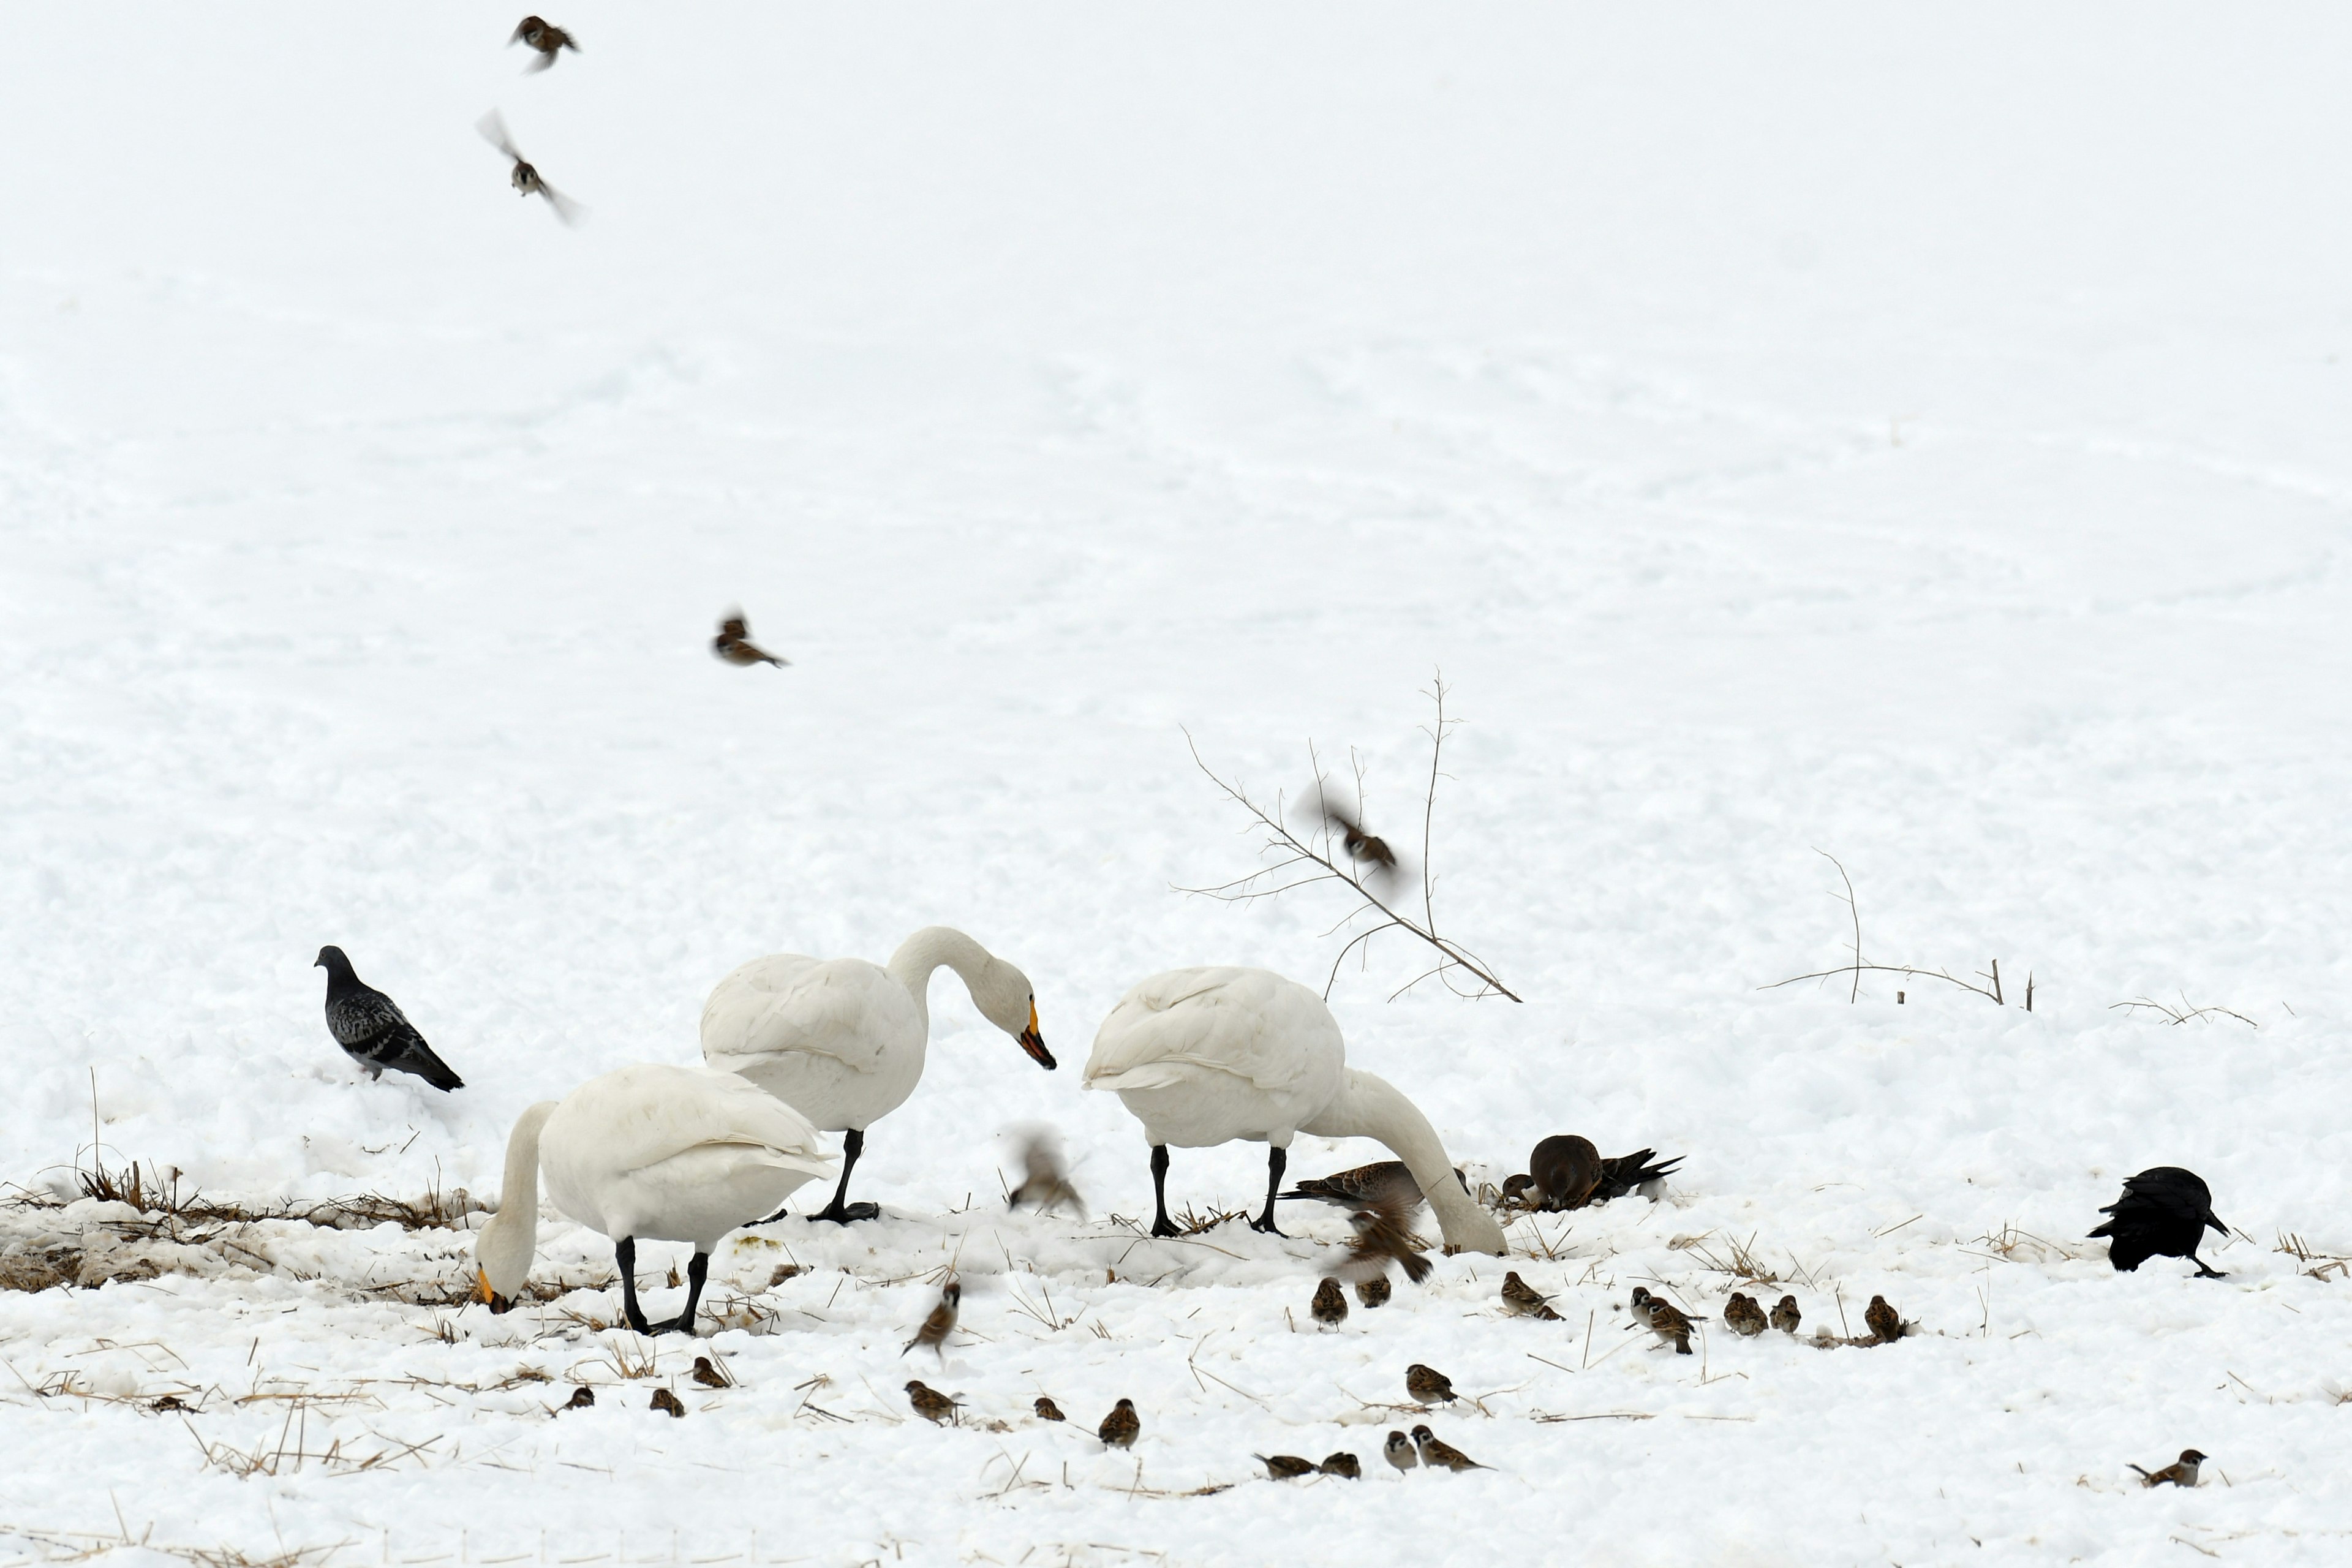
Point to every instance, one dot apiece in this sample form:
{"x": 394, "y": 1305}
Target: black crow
{"x": 373, "y": 1030}
{"x": 2164, "y": 1210}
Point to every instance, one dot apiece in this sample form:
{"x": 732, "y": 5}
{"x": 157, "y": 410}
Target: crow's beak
{"x": 1034, "y": 1043}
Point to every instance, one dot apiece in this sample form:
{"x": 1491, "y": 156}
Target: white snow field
{"x": 1913, "y": 433}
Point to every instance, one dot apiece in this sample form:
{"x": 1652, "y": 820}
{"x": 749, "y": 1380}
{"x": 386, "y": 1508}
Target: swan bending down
{"x": 668, "y": 1153}
{"x": 1203, "y": 1057}
{"x": 842, "y": 1040}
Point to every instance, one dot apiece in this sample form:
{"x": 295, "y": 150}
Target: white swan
{"x": 842, "y": 1040}
{"x": 1203, "y": 1057}
{"x": 668, "y": 1153}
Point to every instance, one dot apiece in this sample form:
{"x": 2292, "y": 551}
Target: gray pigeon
{"x": 373, "y": 1030}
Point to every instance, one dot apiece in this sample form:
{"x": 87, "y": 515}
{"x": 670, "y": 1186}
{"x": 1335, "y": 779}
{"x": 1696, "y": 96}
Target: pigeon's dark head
{"x": 332, "y": 960}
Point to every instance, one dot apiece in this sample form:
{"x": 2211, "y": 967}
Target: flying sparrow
{"x": 928, "y": 1402}
{"x": 1785, "y": 1316}
{"x": 524, "y": 177}
{"x": 1342, "y": 1464}
{"x": 1119, "y": 1428}
{"x": 1374, "y": 1292}
{"x": 1285, "y": 1466}
{"x": 1048, "y": 1411}
{"x": 2182, "y": 1473}
{"x": 936, "y": 1327}
{"x": 1044, "y": 1182}
{"x": 1428, "y": 1385}
{"x": 544, "y": 37}
{"x": 664, "y": 1400}
{"x": 1384, "y": 1237}
{"x": 734, "y": 643}
{"x": 1361, "y": 847}
{"x": 1886, "y": 1324}
{"x": 707, "y": 1374}
{"x": 1521, "y": 1297}
{"x": 582, "y": 1398}
{"x": 1398, "y": 1451}
{"x": 1747, "y": 1319}
{"x": 1329, "y": 1308}
{"x": 1667, "y": 1322}
{"x": 1441, "y": 1456}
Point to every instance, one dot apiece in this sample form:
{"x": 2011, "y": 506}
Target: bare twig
{"x": 1860, "y": 964}
{"x": 2182, "y": 1014}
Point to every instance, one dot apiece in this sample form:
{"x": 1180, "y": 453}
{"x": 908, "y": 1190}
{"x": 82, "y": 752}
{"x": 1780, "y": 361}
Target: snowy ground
{"x": 1915, "y": 435}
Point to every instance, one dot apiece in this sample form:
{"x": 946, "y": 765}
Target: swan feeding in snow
{"x": 667, "y": 1153}
{"x": 1203, "y": 1057}
{"x": 842, "y": 1040}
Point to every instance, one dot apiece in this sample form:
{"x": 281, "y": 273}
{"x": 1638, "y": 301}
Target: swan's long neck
{"x": 928, "y": 949}
{"x": 1371, "y": 1107}
{"x": 503, "y": 1249}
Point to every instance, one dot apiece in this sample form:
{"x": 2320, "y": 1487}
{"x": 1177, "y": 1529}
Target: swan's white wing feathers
{"x": 844, "y": 1008}
{"x": 1249, "y": 1023}
{"x": 640, "y": 1116}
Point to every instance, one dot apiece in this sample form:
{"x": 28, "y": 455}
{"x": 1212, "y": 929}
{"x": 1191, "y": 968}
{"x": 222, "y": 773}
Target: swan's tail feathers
{"x": 1150, "y": 1075}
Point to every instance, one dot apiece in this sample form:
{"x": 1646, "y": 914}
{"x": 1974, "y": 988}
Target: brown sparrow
{"x": 1382, "y": 1183}
{"x": 936, "y": 1327}
{"x": 524, "y": 177}
{"x": 2183, "y": 1473}
{"x": 1342, "y": 1465}
{"x": 1329, "y": 1308}
{"x": 1440, "y": 1455}
{"x": 929, "y": 1403}
{"x": 1886, "y": 1324}
{"x": 582, "y": 1398}
{"x": 708, "y": 1376}
{"x": 1785, "y": 1316}
{"x": 1382, "y": 1238}
{"x": 1374, "y": 1292}
{"x": 1428, "y": 1385}
{"x": 1746, "y": 1318}
{"x": 1361, "y": 847}
{"x": 1285, "y": 1466}
{"x": 1521, "y": 1297}
{"x": 1516, "y": 1190}
{"x": 1121, "y": 1427}
{"x": 1667, "y": 1322}
{"x": 1043, "y": 1182}
{"x": 544, "y": 37}
{"x": 1047, "y": 1410}
{"x": 734, "y": 643}
{"x": 1398, "y": 1451}
{"x": 664, "y": 1400}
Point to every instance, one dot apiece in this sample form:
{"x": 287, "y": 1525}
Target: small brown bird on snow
{"x": 1329, "y": 1308}
{"x": 524, "y": 177}
{"x": 940, "y": 1324}
{"x": 1285, "y": 1466}
{"x": 664, "y": 1400}
{"x": 1747, "y": 1319}
{"x": 1342, "y": 1464}
{"x": 582, "y": 1398}
{"x": 1886, "y": 1324}
{"x": 1441, "y": 1456}
{"x": 1374, "y": 1292}
{"x": 1520, "y": 1297}
{"x": 1428, "y": 1385}
{"x": 1785, "y": 1316}
{"x": 1668, "y": 1323}
{"x": 734, "y": 643}
{"x": 2183, "y": 1473}
{"x": 929, "y": 1403}
{"x": 707, "y": 1374}
{"x": 1121, "y": 1427}
{"x": 546, "y": 38}
{"x": 1047, "y": 1410}
{"x": 1398, "y": 1451}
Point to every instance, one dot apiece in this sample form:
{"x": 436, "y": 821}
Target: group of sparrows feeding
{"x": 546, "y": 40}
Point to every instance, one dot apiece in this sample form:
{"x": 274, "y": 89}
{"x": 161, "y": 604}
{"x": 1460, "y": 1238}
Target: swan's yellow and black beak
{"x": 482, "y": 1292}
{"x": 1034, "y": 1043}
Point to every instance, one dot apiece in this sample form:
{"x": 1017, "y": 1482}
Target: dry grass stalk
{"x": 2186, "y": 1013}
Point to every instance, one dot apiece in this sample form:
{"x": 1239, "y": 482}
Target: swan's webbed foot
{"x": 1264, "y": 1224}
{"x": 849, "y": 1214}
{"x": 1164, "y": 1227}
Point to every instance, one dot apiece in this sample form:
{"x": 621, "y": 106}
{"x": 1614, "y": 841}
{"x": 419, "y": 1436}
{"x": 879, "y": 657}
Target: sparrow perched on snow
{"x": 546, "y": 38}
{"x": 707, "y": 1374}
{"x": 373, "y": 1030}
{"x": 1521, "y": 1297}
{"x": 1382, "y": 1238}
{"x": 524, "y": 177}
{"x": 1047, "y": 1410}
{"x": 1382, "y": 1183}
{"x": 664, "y": 1400}
{"x": 1044, "y": 1182}
{"x": 2181, "y": 1474}
{"x": 1374, "y": 1292}
{"x": 1329, "y": 1308}
{"x": 1441, "y": 1456}
{"x": 1285, "y": 1466}
{"x": 929, "y": 1403}
{"x": 1362, "y": 848}
{"x": 734, "y": 643}
{"x": 1886, "y": 1324}
{"x": 1667, "y": 1322}
{"x": 2165, "y": 1211}
{"x": 1342, "y": 1464}
{"x": 582, "y": 1398}
{"x": 1428, "y": 1385}
{"x": 1785, "y": 1316}
{"x": 1398, "y": 1451}
{"x": 940, "y": 1324}
{"x": 1746, "y": 1318}
{"x": 1121, "y": 1427}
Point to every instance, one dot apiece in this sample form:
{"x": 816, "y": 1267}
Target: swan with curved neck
{"x": 651, "y": 1151}
{"x": 842, "y": 1041}
{"x": 1203, "y": 1057}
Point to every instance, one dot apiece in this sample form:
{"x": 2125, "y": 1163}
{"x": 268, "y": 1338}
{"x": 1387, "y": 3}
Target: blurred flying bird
{"x": 2182, "y": 1473}
{"x": 1044, "y": 1182}
{"x": 2165, "y": 1211}
{"x": 546, "y": 38}
{"x": 1785, "y": 1316}
{"x": 664, "y": 1400}
{"x": 524, "y": 177}
{"x": 1398, "y": 1451}
{"x": 1428, "y": 1385}
{"x": 1521, "y": 1297}
{"x": 734, "y": 643}
{"x": 1667, "y": 1322}
{"x": 933, "y": 1335}
{"x": 1047, "y": 1410}
{"x": 1329, "y": 1308}
{"x": 1745, "y": 1316}
{"x": 1382, "y": 1238}
{"x": 1121, "y": 1427}
{"x": 1442, "y": 1455}
{"x": 1886, "y": 1324}
{"x": 1342, "y": 1464}
{"x": 1362, "y": 848}
{"x": 928, "y": 1402}
{"x": 1285, "y": 1466}
{"x": 373, "y": 1030}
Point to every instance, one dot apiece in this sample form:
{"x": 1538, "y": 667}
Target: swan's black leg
{"x": 1163, "y": 1225}
{"x": 1277, "y": 1157}
{"x": 696, "y": 1273}
{"x": 625, "y": 1252}
{"x": 853, "y": 1144}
